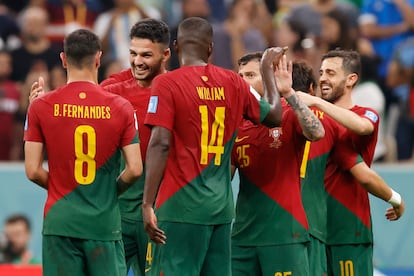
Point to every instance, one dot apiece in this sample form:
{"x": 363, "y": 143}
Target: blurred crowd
{"x": 32, "y": 32}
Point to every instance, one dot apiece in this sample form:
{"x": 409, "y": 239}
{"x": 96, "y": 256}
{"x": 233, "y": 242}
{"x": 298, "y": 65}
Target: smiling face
{"x": 250, "y": 72}
{"x": 147, "y": 59}
{"x": 332, "y": 79}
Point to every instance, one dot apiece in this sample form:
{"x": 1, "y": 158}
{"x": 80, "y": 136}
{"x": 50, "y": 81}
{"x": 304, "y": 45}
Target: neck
{"x": 192, "y": 61}
{"x": 82, "y": 75}
{"x": 345, "y": 101}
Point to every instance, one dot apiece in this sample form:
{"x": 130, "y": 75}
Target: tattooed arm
{"x": 311, "y": 126}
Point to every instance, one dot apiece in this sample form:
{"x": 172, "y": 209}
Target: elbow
{"x": 315, "y": 135}
{"x": 273, "y": 119}
{"x": 33, "y": 175}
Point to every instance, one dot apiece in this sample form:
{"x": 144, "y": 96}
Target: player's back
{"x": 202, "y": 106}
{"x": 83, "y": 128}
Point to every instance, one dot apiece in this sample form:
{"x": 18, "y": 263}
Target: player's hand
{"x": 283, "y": 75}
{"x": 37, "y": 89}
{"x": 395, "y": 212}
{"x": 150, "y": 225}
{"x": 271, "y": 57}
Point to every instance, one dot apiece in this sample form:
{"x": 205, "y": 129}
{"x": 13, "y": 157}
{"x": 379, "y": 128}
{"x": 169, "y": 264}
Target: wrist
{"x": 146, "y": 205}
{"x": 287, "y": 93}
{"x": 395, "y": 199}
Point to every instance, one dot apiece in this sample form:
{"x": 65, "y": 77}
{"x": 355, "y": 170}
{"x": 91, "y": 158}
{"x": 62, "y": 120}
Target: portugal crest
{"x": 275, "y": 134}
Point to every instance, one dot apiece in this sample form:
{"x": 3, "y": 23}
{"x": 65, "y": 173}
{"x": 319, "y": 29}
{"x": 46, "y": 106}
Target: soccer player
{"x": 83, "y": 129}
{"x": 270, "y": 232}
{"x": 348, "y": 231}
{"x": 149, "y": 52}
{"x": 194, "y": 112}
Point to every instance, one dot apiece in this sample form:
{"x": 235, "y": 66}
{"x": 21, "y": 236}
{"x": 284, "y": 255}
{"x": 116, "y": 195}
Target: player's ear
{"x": 167, "y": 54}
{"x": 98, "y": 59}
{"x": 63, "y": 59}
{"x": 352, "y": 79}
{"x": 210, "y": 48}
{"x": 175, "y": 44}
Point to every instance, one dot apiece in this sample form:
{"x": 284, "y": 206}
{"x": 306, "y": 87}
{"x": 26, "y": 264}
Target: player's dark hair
{"x": 255, "y": 56}
{"x": 351, "y": 60}
{"x": 303, "y": 77}
{"x": 19, "y": 218}
{"x": 196, "y": 28}
{"x": 81, "y": 47}
{"x": 155, "y": 30}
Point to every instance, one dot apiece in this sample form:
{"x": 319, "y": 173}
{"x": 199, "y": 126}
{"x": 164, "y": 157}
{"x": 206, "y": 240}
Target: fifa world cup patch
{"x": 153, "y": 104}
{"x": 371, "y": 115}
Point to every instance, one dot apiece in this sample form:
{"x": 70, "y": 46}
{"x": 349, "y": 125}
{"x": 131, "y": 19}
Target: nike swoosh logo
{"x": 147, "y": 269}
{"x": 241, "y": 139}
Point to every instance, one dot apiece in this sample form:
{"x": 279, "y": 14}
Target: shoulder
{"x": 117, "y": 77}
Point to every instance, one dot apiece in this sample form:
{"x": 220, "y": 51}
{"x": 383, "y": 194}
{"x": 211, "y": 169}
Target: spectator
{"x": 113, "y": 27}
{"x": 237, "y": 35}
{"x": 386, "y": 23}
{"x": 401, "y": 74}
{"x": 17, "y": 230}
{"x": 190, "y": 8}
{"x": 9, "y": 29}
{"x": 9, "y": 104}
{"x": 36, "y": 46}
{"x": 311, "y": 13}
{"x": 69, "y": 15}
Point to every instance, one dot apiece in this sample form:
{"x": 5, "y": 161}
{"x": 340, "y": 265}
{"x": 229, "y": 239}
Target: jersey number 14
{"x": 216, "y": 133}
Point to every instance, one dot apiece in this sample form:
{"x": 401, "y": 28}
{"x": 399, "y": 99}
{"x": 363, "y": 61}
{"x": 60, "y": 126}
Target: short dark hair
{"x": 80, "y": 47}
{"x": 195, "y": 28}
{"x": 243, "y": 60}
{"x": 152, "y": 29}
{"x": 351, "y": 60}
{"x": 303, "y": 77}
{"x": 19, "y": 218}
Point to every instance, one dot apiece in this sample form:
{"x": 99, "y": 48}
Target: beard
{"x": 337, "y": 92}
{"x": 152, "y": 72}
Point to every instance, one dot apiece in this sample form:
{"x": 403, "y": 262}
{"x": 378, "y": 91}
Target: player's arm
{"x": 312, "y": 128}
{"x": 156, "y": 160}
{"x": 347, "y": 118}
{"x": 33, "y": 163}
{"x": 375, "y": 185}
{"x": 271, "y": 94}
{"x": 133, "y": 167}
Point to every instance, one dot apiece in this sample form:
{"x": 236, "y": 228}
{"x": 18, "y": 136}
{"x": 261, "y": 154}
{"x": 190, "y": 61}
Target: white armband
{"x": 395, "y": 199}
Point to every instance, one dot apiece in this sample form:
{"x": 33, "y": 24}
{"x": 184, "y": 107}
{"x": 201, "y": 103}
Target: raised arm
{"x": 375, "y": 185}
{"x": 311, "y": 126}
{"x": 345, "y": 117}
{"x": 271, "y": 94}
{"x": 157, "y": 154}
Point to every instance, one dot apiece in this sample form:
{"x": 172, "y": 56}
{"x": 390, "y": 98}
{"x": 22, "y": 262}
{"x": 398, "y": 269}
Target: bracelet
{"x": 395, "y": 199}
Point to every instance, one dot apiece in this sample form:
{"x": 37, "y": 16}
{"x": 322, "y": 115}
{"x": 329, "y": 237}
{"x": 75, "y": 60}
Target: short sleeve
{"x": 161, "y": 107}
